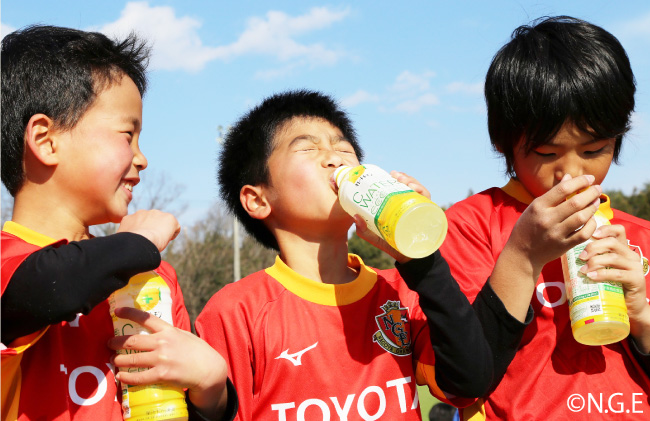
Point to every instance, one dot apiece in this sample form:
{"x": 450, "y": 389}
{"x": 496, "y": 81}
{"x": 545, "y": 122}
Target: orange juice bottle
{"x": 408, "y": 221}
{"x": 597, "y": 309}
{"x": 147, "y": 292}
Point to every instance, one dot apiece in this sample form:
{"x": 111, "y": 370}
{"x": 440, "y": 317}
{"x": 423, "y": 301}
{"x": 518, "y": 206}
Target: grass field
{"x": 426, "y": 401}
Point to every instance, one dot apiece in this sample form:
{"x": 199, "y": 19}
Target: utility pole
{"x": 236, "y": 265}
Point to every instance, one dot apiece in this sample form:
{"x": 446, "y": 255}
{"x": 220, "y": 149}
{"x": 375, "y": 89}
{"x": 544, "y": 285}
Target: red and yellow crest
{"x": 394, "y": 334}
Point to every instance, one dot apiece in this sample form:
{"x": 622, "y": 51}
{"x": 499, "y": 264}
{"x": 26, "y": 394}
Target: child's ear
{"x": 40, "y": 139}
{"x": 254, "y": 201}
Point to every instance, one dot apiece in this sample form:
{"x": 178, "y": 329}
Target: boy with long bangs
{"x": 319, "y": 335}
{"x": 71, "y": 120}
{"x": 559, "y": 98}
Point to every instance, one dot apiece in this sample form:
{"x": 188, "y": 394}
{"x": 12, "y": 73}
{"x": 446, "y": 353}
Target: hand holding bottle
{"x": 609, "y": 258}
{"x": 174, "y": 357}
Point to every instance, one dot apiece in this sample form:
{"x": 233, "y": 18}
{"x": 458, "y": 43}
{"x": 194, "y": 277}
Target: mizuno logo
{"x": 296, "y": 356}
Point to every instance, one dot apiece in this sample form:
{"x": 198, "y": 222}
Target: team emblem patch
{"x": 394, "y": 334}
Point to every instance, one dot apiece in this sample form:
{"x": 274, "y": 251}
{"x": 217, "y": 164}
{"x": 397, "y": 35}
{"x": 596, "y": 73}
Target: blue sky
{"x": 410, "y": 74}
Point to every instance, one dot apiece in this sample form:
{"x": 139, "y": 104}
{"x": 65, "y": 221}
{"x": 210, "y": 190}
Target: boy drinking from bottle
{"x": 320, "y": 334}
{"x": 559, "y": 98}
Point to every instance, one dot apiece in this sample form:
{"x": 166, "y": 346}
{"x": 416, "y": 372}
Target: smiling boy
{"x": 567, "y": 125}
{"x": 71, "y": 123}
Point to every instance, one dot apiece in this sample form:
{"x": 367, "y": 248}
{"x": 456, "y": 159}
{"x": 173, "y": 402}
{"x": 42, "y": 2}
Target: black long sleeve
{"x": 641, "y": 358}
{"x": 464, "y": 362}
{"x": 54, "y": 284}
{"x": 502, "y": 331}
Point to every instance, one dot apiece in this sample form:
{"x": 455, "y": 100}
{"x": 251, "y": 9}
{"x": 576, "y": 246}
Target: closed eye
{"x": 596, "y": 152}
{"x": 544, "y": 154}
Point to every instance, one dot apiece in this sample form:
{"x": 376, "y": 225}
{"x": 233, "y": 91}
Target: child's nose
{"x": 332, "y": 158}
{"x": 568, "y": 166}
{"x": 139, "y": 160}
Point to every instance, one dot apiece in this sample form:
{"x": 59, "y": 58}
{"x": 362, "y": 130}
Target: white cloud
{"x": 465, "y": 88}
{"x": 357, "y": 98}
{"x": 177, "y": 44}
{"x": 407, "y": 83}
{"x": 6, "y": 29}
{"x": 175, "y": 40}
{"x": 416, "y": 104}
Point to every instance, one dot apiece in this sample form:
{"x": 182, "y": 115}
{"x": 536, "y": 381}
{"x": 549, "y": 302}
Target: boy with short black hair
{"x": 319, "y": 333}
{"x": 71, "y": 120}
{"x": 559, "y": 97}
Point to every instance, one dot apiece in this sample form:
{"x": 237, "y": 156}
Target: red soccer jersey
{"x": 63, "y": 372}
{"x": 552, "y": 376}
{"x": 302, "y": 350}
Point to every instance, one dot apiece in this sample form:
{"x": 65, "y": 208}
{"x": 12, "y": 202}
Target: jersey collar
{"x": 325, "y": 294}
{"x": 27, "y": 235}
{"x": 515, "y": 189}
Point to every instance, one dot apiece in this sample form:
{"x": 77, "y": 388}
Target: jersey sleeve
{"x": 468, "y": 248}
{"x": 180, "y": 316}
{"x": 227, "y": 328}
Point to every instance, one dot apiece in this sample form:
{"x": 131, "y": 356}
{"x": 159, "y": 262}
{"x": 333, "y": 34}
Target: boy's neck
{"x": 39, "y": 212}
{"x": 324, "y": 261}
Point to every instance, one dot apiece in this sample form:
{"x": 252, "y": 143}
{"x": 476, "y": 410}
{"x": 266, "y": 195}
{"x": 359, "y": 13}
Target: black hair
{"x": 249, "y": 143}
{"x": 58, "y": 72}
{"x": 558, "y": 70}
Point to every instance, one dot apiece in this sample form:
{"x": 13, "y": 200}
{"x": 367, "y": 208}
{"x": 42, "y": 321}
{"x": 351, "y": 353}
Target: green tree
{"x": 370, "y": 254}
{"x": 637, "y": 204}
{"x": 203, "y": 258}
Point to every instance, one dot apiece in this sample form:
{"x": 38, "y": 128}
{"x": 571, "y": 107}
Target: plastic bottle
{"x": 597, "y": 309}
{"x": 147, "y": 292}
{"x": 408, "y": 221}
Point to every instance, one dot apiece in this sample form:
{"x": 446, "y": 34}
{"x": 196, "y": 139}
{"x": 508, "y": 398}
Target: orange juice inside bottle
{"x": 597, "y": 309}
{"x": 155, "y": 402}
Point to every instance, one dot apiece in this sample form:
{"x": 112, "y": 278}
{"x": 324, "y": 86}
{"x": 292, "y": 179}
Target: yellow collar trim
{"x": 28, "y": 235}
{"x": 325, "y": 294}
{"x": 517, "y": 190}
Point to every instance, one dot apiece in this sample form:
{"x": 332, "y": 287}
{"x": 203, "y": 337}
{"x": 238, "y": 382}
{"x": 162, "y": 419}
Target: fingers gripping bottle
{"x": 597, "y": 309}
{"x": 147, "y": 292}
{"x": 408, "y": 221}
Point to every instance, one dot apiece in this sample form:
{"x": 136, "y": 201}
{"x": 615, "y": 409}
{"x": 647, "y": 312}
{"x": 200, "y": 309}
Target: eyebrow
{"x": 136, "y": 122}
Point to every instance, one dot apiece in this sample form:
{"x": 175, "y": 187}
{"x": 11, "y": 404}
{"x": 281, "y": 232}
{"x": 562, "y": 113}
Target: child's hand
{"x": 411, "y": 182}
{"x": 548, "y": 228}
{"x": 158, "y": 227}
{"x": 173, "y": 356}
{"x": 551, "y": 225}
{"x": 364, "y": 233}
{"x": 609, "y": 258}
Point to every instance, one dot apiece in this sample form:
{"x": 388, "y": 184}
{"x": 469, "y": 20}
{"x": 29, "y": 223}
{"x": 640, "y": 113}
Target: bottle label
{"x": 372, "y": 189}
{"x": 591, "y": 301}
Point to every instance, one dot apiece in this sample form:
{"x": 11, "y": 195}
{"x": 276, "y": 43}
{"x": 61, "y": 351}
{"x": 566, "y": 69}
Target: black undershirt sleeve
{"x": 464, "y": 362}
{"x": 56, "y": 283}
{"x": 641, "y": 358}
{"x": 502, "y": 331}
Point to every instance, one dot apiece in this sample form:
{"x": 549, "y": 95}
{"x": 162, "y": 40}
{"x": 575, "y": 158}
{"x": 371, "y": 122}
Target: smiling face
{"x": 571, "y": 151}
{"x": 100, "y": 159}
{"x": 306, "y": 152}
